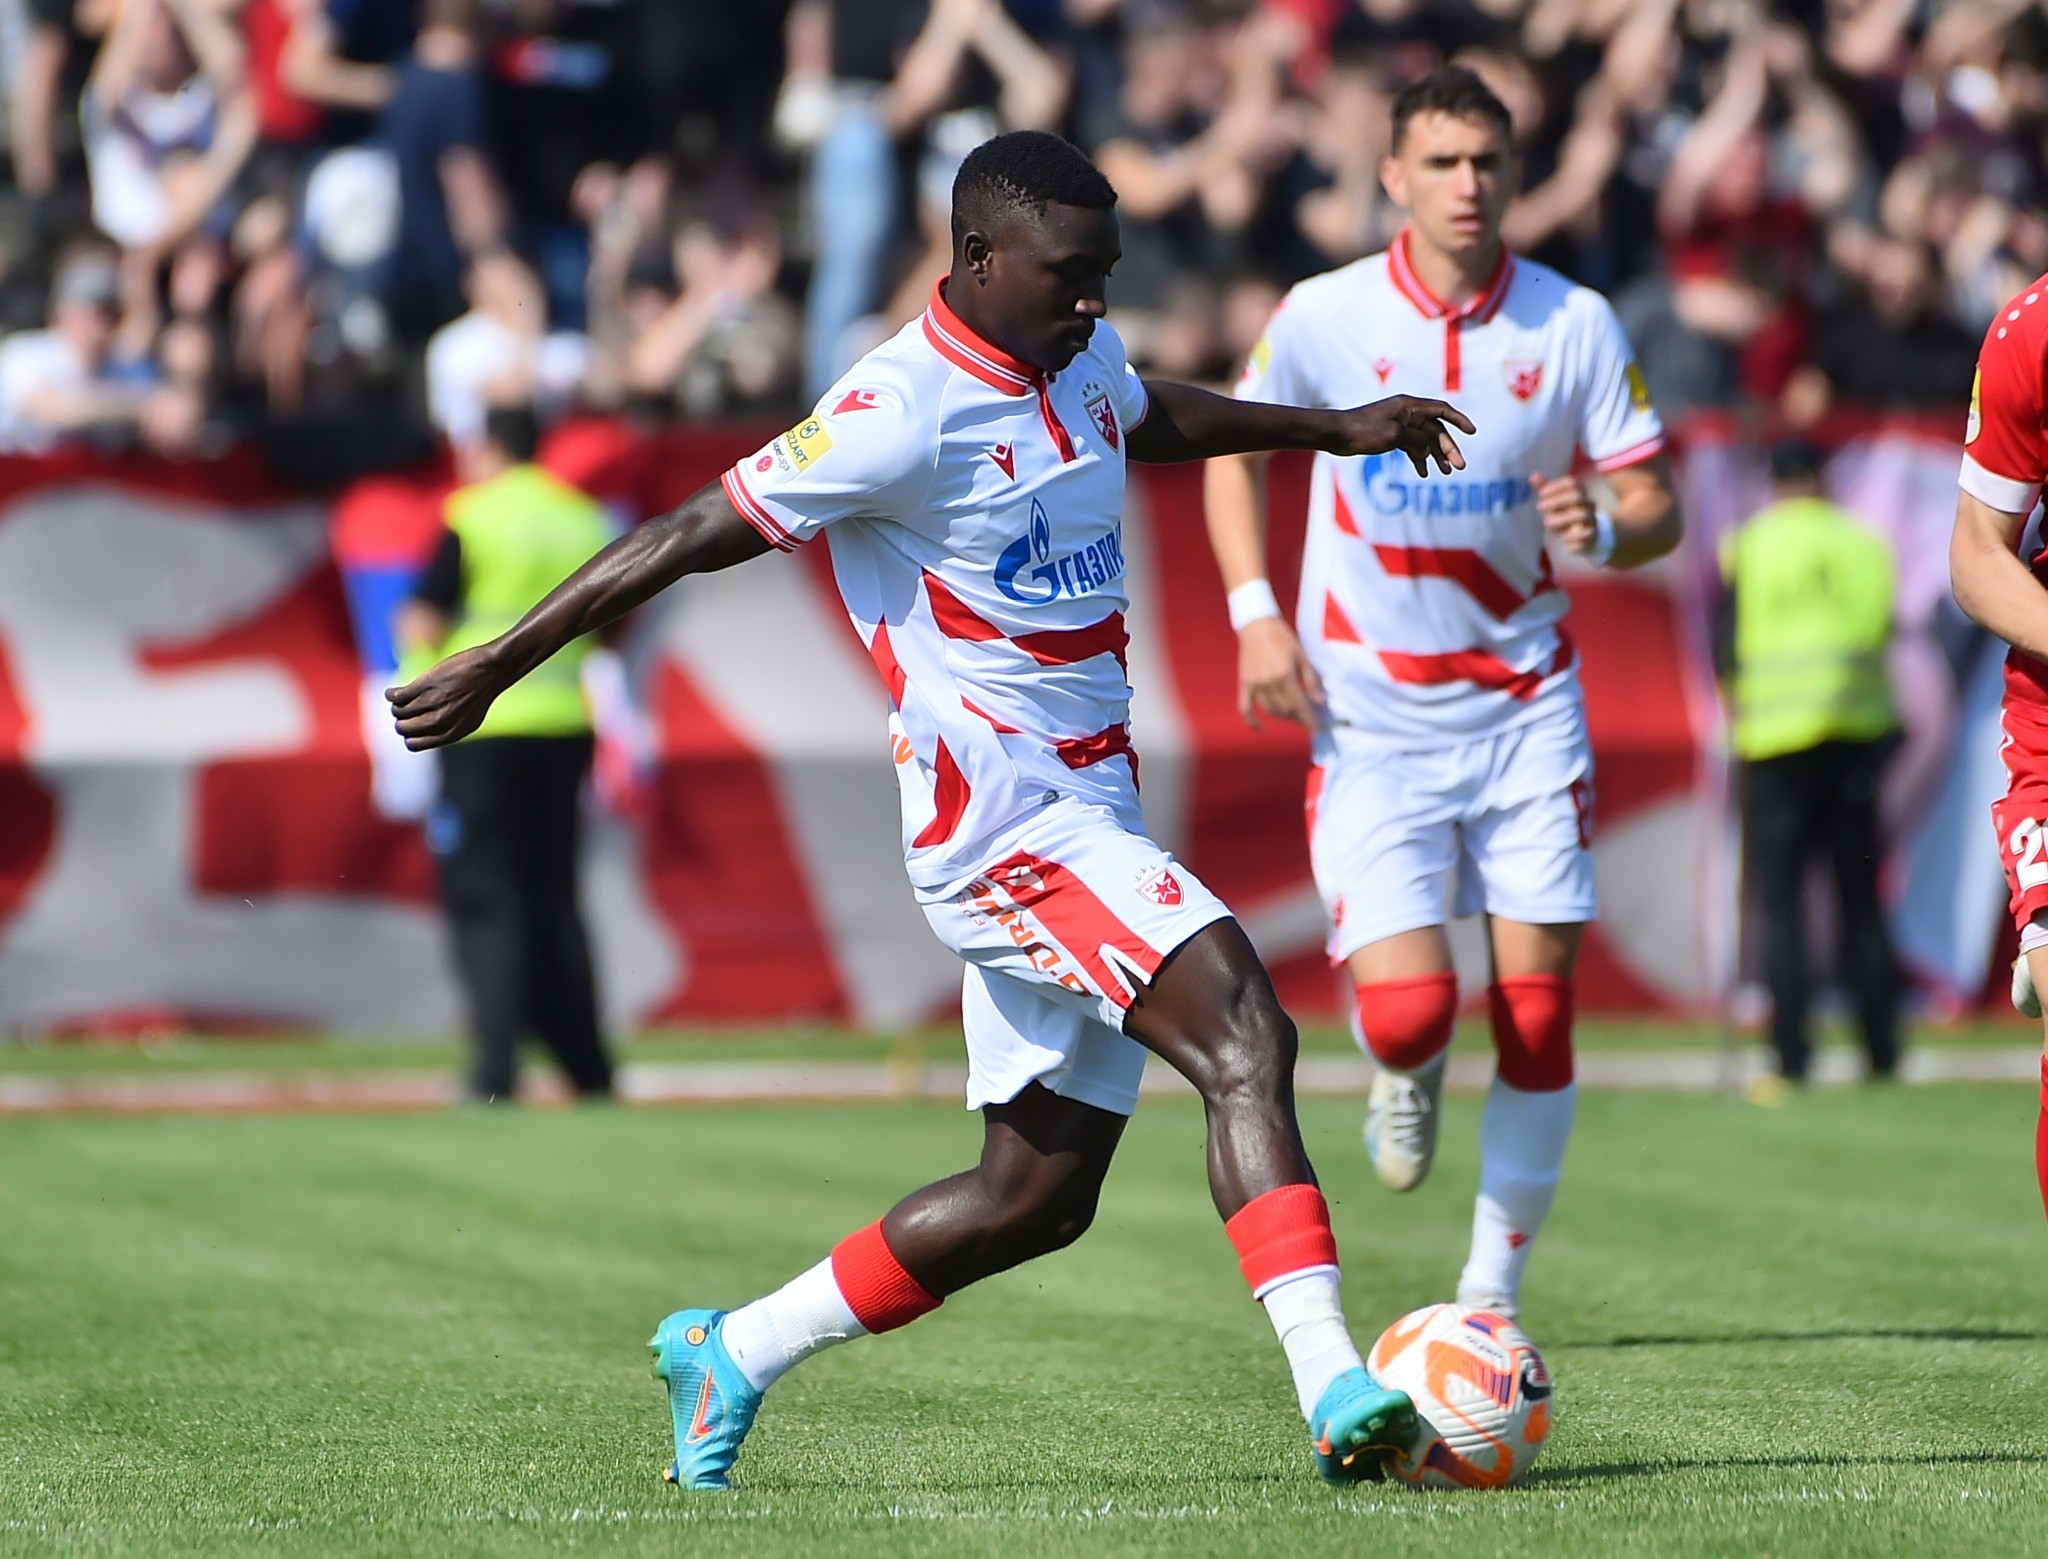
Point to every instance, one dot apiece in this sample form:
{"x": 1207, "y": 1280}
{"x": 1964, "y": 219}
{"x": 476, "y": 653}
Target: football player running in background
{"x": 1998, "y": 562}
{"x": 1452, "y": 768}
{"x": 969, "y": 477}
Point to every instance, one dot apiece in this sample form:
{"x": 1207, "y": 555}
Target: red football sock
{"x": 2041, "y": 1137}
{"x": 1280, "y": 1234}
{"x": 878, "y": 1290}
{"x": 1532, "y": 1031}
{"x": 1407, "y": 1023}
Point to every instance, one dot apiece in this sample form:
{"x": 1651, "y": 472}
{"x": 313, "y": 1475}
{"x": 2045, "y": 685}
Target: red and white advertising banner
{"x": 190, "y": 831}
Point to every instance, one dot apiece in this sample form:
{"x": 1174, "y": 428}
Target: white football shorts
{"x": 1061, "y": 929}
{"x": 1405, "y": 839}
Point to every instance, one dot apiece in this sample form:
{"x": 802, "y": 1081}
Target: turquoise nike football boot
{"x": 710, "y": 1401}
{"x": 1357, "y": 1425}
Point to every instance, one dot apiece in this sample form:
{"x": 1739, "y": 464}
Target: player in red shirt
{"x": 1998, "y": 563}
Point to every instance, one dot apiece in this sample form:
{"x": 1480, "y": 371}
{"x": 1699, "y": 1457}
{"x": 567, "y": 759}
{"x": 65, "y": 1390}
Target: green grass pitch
{"x": 1819, "y": 1330}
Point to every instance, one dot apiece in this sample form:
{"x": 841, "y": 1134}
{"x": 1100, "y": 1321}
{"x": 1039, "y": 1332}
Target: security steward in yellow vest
{"x": 505, "y": 831}
{"x": 1806, "y": 621}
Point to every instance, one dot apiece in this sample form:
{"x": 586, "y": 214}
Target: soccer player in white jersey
{"x": 968, "y": 476}
{"x": 1452, "y": 770}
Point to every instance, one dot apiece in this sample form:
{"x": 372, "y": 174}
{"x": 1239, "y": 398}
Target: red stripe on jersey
{"x": 1454, "y": 362}
{"x": 1049, "y": 647}
{"x": 1484, "y": 667}
{"x": 1462, "y": 566}
{"x": 883, "y": 654}
{"x": 950, "y": 795}
{"x": 1060, "y": 441}
{"x": 1312, "y": 802}
{"x": 1078, "y": 752}
{"x": 1336, "y": 626}
{"x": 756, "y": 516}
{"x": 1480, "y": 666}
{"x": 1079, "y": 921}
{"x": 1066, "y": 646}
{"x": 1346, "y": 521}
{"x": 956, "y": 619}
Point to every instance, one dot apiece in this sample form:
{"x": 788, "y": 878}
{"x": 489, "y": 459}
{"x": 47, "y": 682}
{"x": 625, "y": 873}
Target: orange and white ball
{"x": 1482, "y": 1392}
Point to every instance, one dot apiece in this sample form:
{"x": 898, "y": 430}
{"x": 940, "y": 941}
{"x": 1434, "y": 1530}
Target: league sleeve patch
{"x": 1975, "y": 425}
{"x": 793, "y": 453}
{"x": 1638, "y": 388}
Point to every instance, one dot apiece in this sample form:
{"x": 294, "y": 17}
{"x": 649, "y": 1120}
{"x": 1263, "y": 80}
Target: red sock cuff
{"x": 1282, "y": 1233}
{"x": 1532, "y": 1031}
{"x": 1407, "y": 1023}
{"x": 878, "y": 1290}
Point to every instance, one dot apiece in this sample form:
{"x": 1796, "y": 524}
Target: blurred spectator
{"x": 500, "y": 351}
{"x": 60, "y": 381}
{"x": 168, "y": 123}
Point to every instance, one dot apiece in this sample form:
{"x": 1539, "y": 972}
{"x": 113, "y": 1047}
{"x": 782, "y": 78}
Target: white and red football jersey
{"x": 974, "y": 508}
{"x": 1427, "y": 604}
{"x": 2005, "y": 459}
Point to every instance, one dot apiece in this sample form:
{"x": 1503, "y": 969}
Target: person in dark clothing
{"x": 506, "y": 829}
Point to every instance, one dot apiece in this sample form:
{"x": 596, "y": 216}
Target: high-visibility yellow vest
{"x": 1813, "y": 614}
{"x": 523, "y": 532}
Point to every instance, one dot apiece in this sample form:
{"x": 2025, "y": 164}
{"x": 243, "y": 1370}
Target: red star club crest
{"x": 1161, "y": 887}
{"x": 1524, "y": 379}
{"x": 1103, "y": 415}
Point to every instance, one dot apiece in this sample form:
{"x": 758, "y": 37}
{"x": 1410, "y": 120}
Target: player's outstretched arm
{"x": 1184, "y": 423}
{"x": 1991, "y": 583}
{"x": 705, "y": 534}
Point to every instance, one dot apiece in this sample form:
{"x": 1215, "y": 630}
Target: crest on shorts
{"x": 1524, "y": 378}
{"x": 1160, "y": 886}
{"x": 1103, "y": 415}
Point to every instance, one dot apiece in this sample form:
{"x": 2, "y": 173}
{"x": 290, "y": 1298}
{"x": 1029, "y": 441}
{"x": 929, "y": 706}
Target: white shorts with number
{"x": 1402, "y": 840}
{"x": 1061, "y": 929}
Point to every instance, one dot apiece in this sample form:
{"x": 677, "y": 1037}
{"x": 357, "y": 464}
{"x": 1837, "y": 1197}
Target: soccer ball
{"x": 1479, "y": 1387}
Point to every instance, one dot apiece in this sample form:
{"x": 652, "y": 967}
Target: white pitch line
{"x": 828, "y": 1082}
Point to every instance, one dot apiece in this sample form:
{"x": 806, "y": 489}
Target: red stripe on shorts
{"x": 1079, "y": 921}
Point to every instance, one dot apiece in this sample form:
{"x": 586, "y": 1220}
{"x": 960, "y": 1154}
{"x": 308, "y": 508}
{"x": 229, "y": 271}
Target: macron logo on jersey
{"x": 1391, "y": 487}
{"x": 1080, "y": 572}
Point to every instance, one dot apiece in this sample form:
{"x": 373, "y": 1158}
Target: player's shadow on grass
{"x": 1843, "y": 1334}
{"x": 1565, "y": 1477}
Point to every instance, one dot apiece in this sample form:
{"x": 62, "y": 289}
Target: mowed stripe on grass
{"x": 1799, "y": 1331}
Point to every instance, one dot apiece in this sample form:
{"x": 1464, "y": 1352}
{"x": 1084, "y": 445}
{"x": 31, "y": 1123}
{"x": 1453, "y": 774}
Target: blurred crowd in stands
{"x": 373, "y": 217}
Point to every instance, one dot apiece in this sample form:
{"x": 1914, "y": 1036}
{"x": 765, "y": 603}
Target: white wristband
{"x": 1251, "y": 601}
{"x": 1602, "y": 549}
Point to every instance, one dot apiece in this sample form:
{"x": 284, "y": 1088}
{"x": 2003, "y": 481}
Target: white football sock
{"x": 771, "y": 1336}
{"x": 1522, "y": 1138}
{"x": 1309, "y": 1319}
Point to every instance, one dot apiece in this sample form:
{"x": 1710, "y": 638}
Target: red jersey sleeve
{"x": 2005, "y": 447}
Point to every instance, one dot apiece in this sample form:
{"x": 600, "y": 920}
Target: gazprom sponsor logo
{"x": 1392, "y": 487}
{"x": 1029, "y": 571}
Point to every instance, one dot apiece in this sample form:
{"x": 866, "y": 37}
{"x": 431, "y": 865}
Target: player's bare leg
{"x": 1405, "y": 1000}
{"x": 1210, "y": 1012}
{"x": 1529, "y": 1107}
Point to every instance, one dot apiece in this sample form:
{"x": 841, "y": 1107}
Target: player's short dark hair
{"x": 515, "y": 429}
{"x": 1024, "y": 170}
{"x": 1455, "y": 90}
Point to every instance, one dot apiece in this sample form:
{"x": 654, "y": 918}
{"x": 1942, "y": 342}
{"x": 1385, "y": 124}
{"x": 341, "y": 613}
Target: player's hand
{"x": 1567, "y": 512}
{"x": 447, "y": 703}
{"x": 1274, "y": 676}
{"x": 1417, "y": 427}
